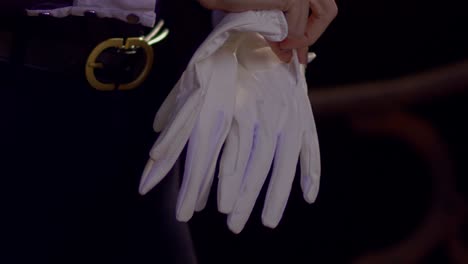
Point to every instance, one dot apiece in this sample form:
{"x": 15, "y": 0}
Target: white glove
{"x": 201, "y": 106}
{"x": 272, "y": 120}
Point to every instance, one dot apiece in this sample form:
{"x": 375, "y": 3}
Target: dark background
{"x": 375, "y": 189}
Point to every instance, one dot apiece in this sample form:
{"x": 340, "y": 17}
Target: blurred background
{"x": 389, "y": 90}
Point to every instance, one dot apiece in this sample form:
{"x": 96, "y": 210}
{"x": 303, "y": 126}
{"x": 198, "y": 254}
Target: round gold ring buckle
{"x": 119, "y": 43}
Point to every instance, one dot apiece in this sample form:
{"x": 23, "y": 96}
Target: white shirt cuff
{"x": 131, "y": 11}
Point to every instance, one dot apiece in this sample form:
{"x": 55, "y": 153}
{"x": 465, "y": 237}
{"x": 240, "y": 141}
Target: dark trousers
{"x": 73, "y": 159}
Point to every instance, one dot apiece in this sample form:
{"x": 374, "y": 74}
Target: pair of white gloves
{"x": 235, "y": 92}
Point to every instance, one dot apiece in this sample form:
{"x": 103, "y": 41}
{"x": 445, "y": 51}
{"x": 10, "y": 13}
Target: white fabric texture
{"x": 236, "y": 93}
{"x": 273, "y": 121}
{"x": 119, "y": 9}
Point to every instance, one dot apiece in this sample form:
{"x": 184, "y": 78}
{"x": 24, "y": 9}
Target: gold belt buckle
{"x": 143, "y": 42}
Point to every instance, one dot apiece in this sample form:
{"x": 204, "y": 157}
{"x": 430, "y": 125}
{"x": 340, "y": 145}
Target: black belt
{"x": 63, "y": 45}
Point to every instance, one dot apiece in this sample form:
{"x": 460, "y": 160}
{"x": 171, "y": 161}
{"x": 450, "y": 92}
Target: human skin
{"x": 307, "y": 20}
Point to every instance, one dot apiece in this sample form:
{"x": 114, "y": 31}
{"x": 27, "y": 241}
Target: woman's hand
{"x": 307, "y": 20}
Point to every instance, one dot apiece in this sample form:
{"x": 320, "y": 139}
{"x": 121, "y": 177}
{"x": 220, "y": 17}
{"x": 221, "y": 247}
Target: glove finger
{"x": 310, "y": 166}
{"x": 227, "y": 168}
{"x": 166, "y": 110}
{"x": 204, "y": 193}
{"x": 219, "y": 73}
{"x": 234, "y": 160}
{"x": 310, "y": 150}
{"x": 284, "y": 169}
{"x": 261, "y": 157}
{"x": 170, "y": 144}
{"x": 176, "y": 97}
{"x": 204, "y": 146}
{"x": 208, "y": 182}
{"x": 238, "y": 146}
{"x": 205, "y": 188}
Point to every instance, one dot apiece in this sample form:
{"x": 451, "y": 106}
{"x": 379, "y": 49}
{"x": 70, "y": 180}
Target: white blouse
{"x": 131, "y": 11}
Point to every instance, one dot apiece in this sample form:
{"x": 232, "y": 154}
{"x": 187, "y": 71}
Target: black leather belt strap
{"x": 58, "y": 44}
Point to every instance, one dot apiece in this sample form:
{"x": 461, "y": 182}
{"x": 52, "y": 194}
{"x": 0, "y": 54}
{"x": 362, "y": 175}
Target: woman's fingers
{"x": 322, "y": 14}
{"x": 303, "y": 29}
{"x": 284, "y": 55}
{"x": 296, "y": 17}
